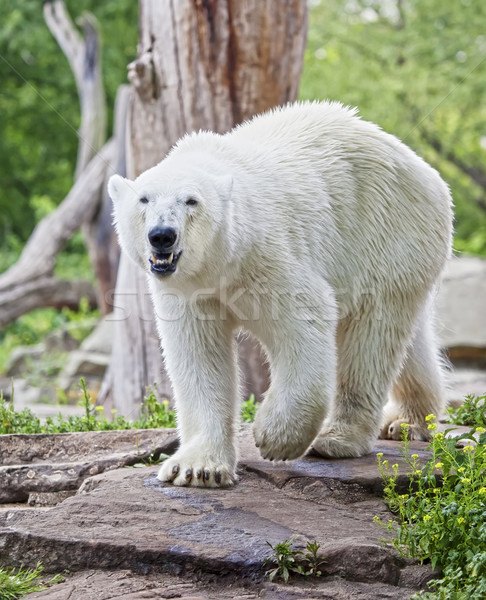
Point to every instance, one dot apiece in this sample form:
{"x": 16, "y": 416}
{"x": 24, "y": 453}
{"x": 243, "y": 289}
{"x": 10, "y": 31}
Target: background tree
{"x": 200, "y": 65}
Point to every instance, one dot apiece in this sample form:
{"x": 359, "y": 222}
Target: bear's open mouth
{"x": 164, "y": 264}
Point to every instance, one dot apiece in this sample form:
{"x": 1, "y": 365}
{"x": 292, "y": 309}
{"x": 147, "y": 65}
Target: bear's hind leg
{"x": 419, "y": 388}
{"x": 371, "y": 346}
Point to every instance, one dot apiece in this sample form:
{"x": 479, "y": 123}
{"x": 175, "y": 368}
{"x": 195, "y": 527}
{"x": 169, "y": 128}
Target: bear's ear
{"x": 117, "y": 186}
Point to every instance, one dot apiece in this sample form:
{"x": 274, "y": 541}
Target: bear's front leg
{"x": 200, "y": 360}
{"x": 303, "y": 371}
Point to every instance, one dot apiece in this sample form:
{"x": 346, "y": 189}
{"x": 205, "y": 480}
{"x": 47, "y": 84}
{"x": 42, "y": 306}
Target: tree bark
{"x": 202, "y": 64}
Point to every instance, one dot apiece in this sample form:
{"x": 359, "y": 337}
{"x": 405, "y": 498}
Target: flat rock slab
{"x": 126, "y": 585}
{"x": 126, "y": 519}
{"x": 42, "y": 464}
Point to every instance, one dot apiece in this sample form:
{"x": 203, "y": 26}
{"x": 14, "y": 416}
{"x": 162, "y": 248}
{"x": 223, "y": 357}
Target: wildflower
{"x": 482, "y": 490}
{"x": 436, "y": 490}
{"x": 468, "y": 448}
{"x": 405, "y": 496}
{"x": 461, "y": 470}
{"x": 460, "y": 520}
{"x": 439, "y": 465}
{"x": 428, "y": 517}
{"x": 395, "y": 466}
{"x": 99, "y": 409}
{"x": 430, "y": 418}
{"x": 380, "y": 454}
{"x": 432, "y": 426}
{"x": 417, "y": 472}
{"x": 113, "y": 411}
{"x": 165, "y": 402}
{"x": 465, "y": 480}
{"x": 415, "y": 456}
{"x": 480, "y": 430}
{"x": 439, "y": 435}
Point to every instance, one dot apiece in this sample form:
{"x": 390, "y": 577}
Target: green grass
{"x": 17, "y": 583}
{"x": 154, "y": 415}
{"x": 442, "y": 517}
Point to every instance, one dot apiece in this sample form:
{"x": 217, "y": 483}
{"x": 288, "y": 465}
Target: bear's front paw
{"x": 195, "y": 469}
{"x": 277, "y": 442}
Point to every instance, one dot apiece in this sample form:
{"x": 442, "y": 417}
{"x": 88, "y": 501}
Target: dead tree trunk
{"x": 202, "y": 64}
{"x": 84, "y": 56}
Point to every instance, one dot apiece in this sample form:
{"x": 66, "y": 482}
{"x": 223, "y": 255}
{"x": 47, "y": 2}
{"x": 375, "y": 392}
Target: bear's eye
{"x": 144, "y": 200}
{"x": 191, "y": 202}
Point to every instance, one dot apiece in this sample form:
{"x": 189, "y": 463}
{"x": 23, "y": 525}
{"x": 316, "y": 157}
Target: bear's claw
{"x": 179, "y": 470}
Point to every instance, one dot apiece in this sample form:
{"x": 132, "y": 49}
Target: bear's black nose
{"x": 162, "y": 238}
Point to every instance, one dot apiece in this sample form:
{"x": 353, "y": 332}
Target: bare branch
{"x": 46, "y": 291}
{"x": 51, "y": 234}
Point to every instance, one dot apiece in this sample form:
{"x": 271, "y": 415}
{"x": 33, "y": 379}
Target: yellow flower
{"x": 461, "y": 470}
{"x": 405, "y": 496}
{"x": 468, "y": 448}
{"x": 427, "y": 518}
{"x": 430, "y": 418}
{"x": 482, "y": 490}
{"x": 439, "y": 465}
{"x": 380, "y": 454}
{"x": 436, "y": 490}
{"x": 460, "y": 520}
{"x": 417, "y": 472}
{"x": 99, "y": 409}
{"x": 395, "y": 466}
{"x": 465, "y": 480}
{"x": 439, "y": 435}
{"x": 415, "y": 456}
{"x": 480, "y": 430}
{"x": 432, "y": 426}
{"x": 113, "y": 411}
{"x": 165, "y": 402}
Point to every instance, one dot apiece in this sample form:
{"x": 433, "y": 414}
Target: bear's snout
{"x": 162, "y": 238}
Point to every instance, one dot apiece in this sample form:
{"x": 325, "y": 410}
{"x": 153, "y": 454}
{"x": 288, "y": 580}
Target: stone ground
{"x": 125, "y": 535}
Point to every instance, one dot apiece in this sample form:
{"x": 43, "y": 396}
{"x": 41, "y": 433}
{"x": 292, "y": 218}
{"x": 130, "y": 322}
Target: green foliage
{"x": 287, "y": 561}
{"x": 153, "y": 415}
{"x": 248, "y": 409}
{"x": 17, "y": 583}
{"x": 40, "y": 107}
{"x": 442, "y": 518}
{"x": 416, "y": 68}
{"x": 471, "y": 412}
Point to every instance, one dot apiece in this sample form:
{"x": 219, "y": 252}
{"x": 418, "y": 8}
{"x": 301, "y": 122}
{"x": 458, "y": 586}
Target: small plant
{"x": 287, "y": 561}
{"x": 471, "y": 412}
{"x": 17, "y": 583}
{"x": 248, "y": 409}
{"x": 442, "y": 517}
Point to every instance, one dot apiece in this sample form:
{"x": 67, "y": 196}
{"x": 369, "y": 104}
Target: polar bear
{"x": 323, "y": 236}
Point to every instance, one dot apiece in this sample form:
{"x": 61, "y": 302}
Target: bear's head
{"x": 170, "y": 219}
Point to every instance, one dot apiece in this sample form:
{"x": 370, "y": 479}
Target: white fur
{"x": 325, "y": 237}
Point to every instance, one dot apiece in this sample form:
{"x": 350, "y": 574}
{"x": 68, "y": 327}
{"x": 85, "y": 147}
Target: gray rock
{"x": 127, "y": 519}
{"x": 81, "y": 363}
{"x": 48, "y": 498}
{"x": 60, "y": 341}
{"x": 101, "y": 338}
{"x": 20, "y": 357}
{"x": 462, "y": 318}
{"x": 54, "y": 463}
{"x": 127, "y": 585}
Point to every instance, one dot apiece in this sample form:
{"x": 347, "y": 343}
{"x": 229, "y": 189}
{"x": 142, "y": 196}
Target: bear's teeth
{"x": 169, "y": 260}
